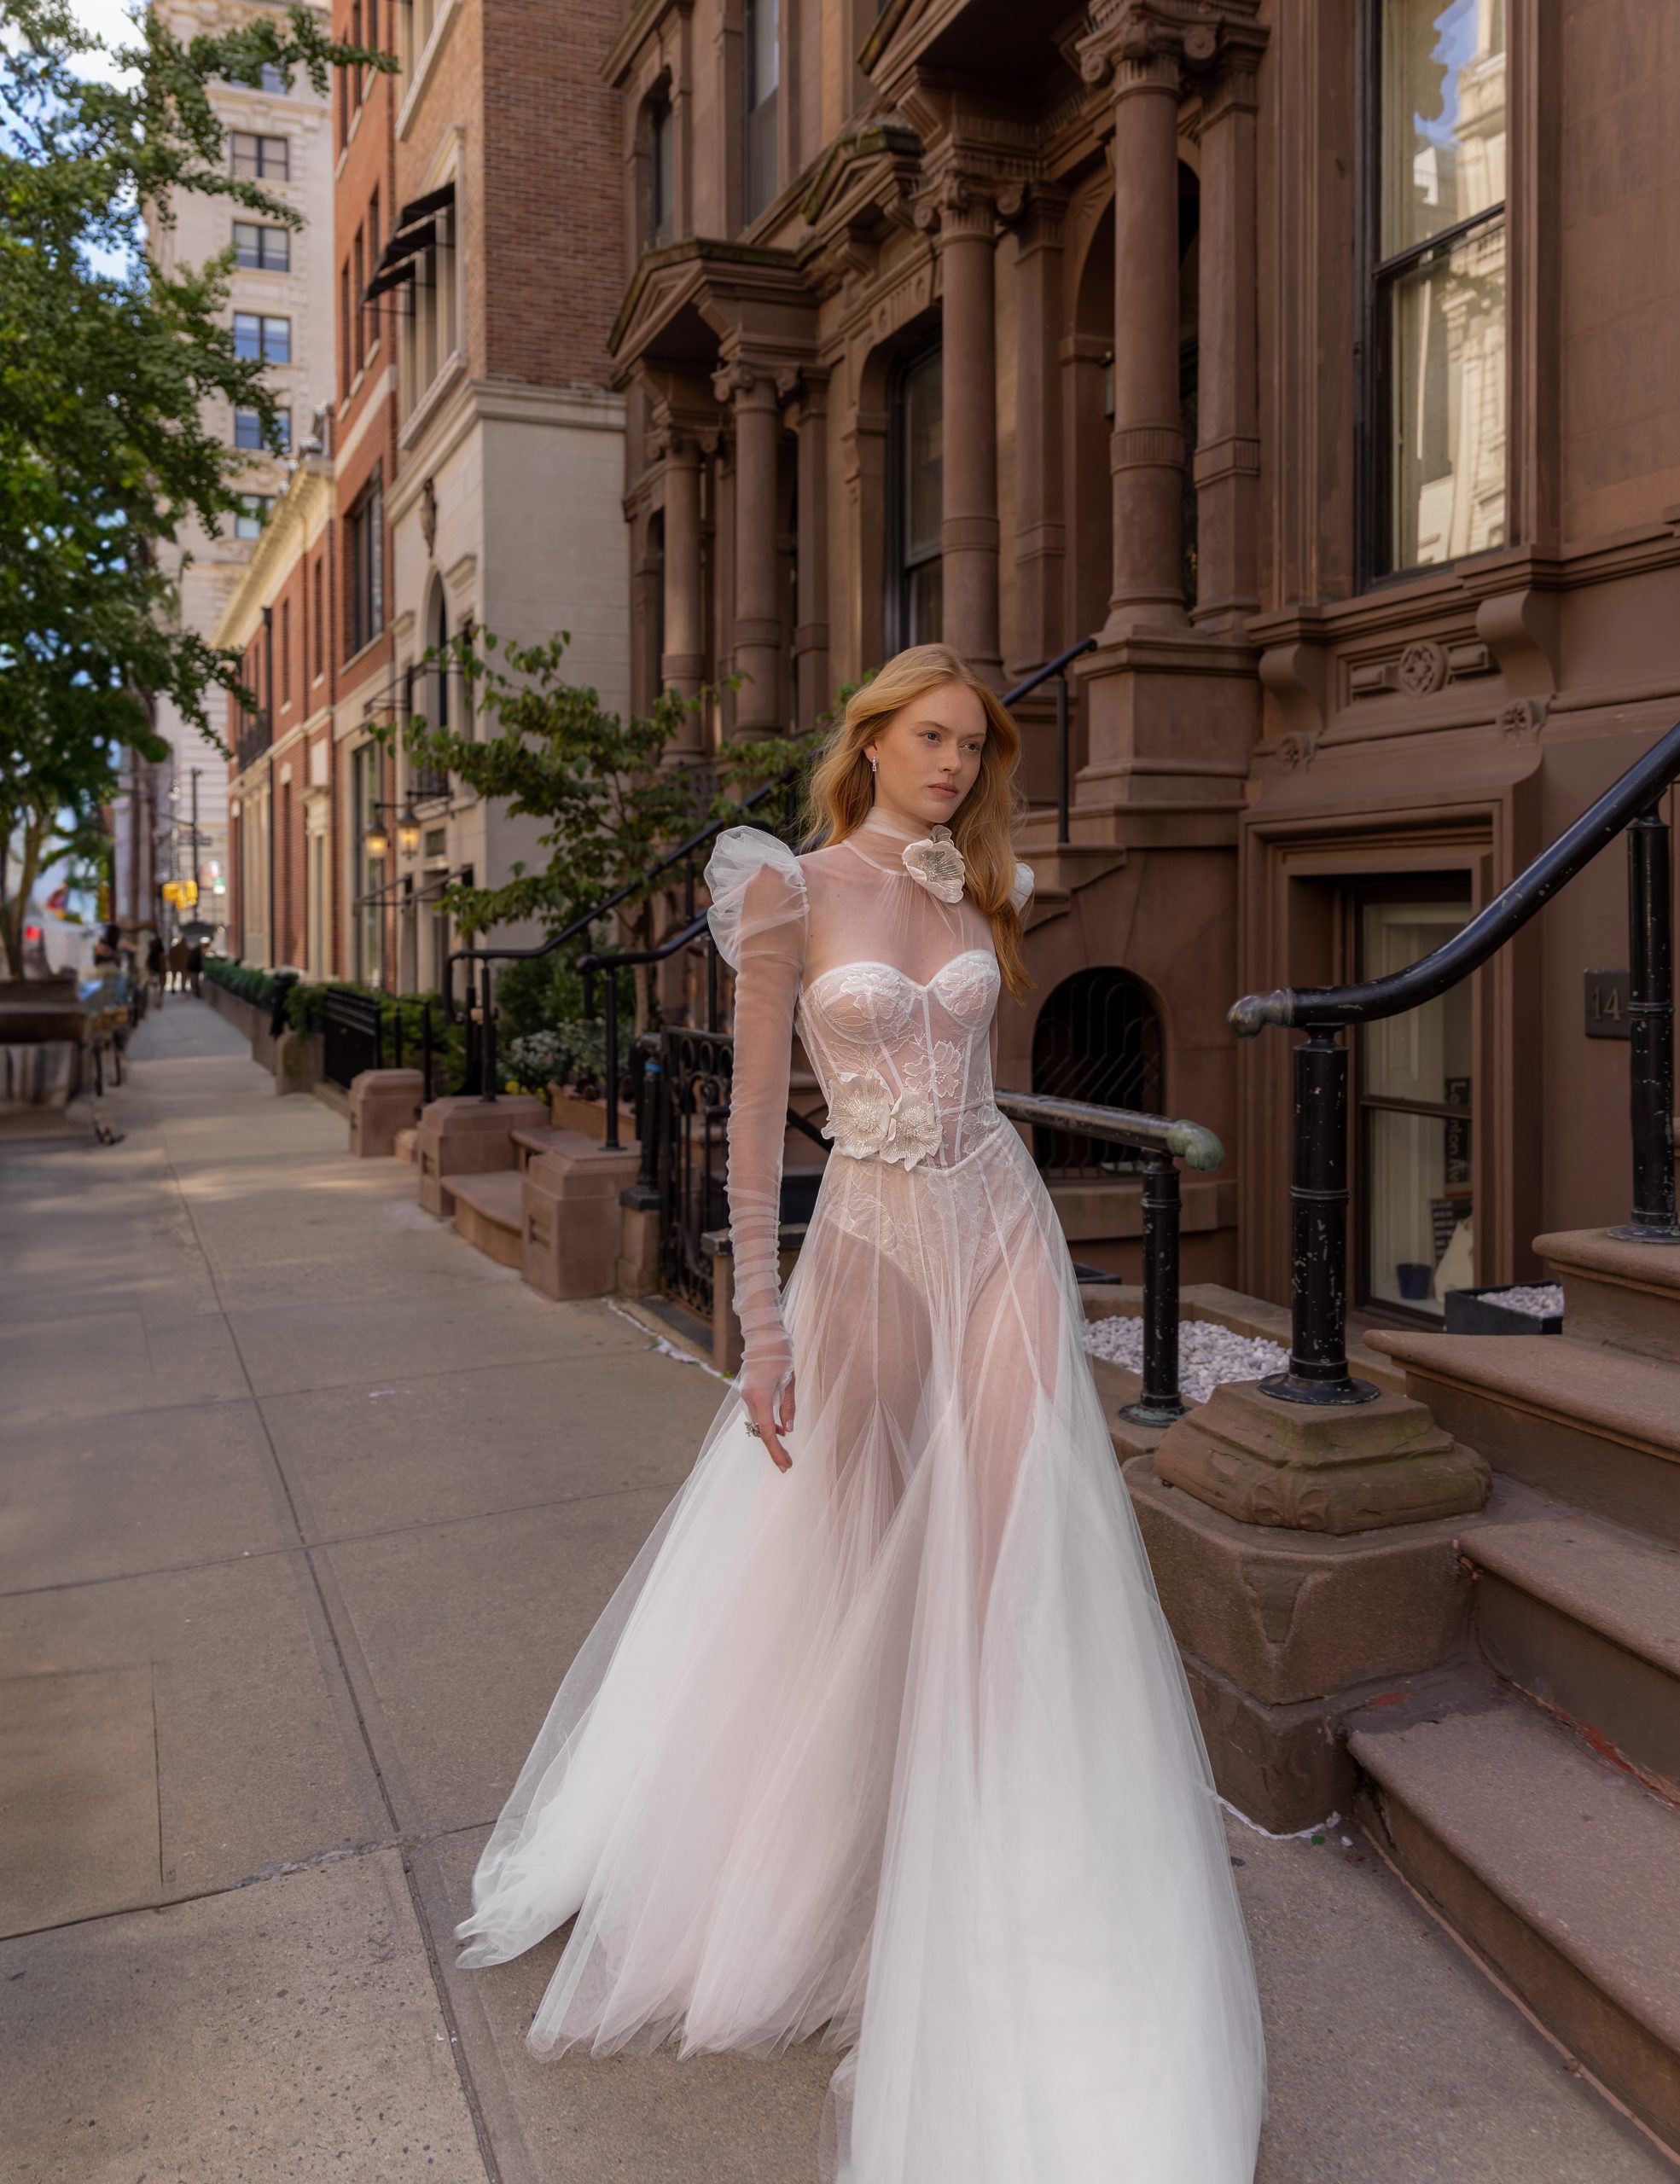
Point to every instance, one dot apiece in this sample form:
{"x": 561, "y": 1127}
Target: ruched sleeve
{"x": 1020, "y": 894}
{"x": 758, "y": 918}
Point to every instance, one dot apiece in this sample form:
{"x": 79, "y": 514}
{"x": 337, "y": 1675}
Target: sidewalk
{"x": 304, "y": 1507}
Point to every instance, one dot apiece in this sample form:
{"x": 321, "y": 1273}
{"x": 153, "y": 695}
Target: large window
{"x": 661, "y": 173}
{"x": 1434, "y": 484}
{"x": 915, "y": 483}
{"x": 1412, "y": 1089}
{"x": 261, "y": 159}
{"x": 254, "y": 509}
{"x": 257, "y": 336}
{"x": 248, "y": 431}
{"x": 760, "y": 67}
{"x": 366, "y": 544}
{"x": 264, "y": 249}
{"x": 368, "y": 871}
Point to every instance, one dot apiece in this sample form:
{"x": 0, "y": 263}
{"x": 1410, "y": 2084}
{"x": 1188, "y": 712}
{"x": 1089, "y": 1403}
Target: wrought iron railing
{"x": 1318, "y": 1371}
{"x": 350, "y": 1038}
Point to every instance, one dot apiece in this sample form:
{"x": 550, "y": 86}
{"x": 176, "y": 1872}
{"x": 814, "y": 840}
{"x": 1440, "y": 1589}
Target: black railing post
{"x": 1651, "y": 1032}
{"x": 379, "y": 1031}
{"x": 396, "y": 1033}
{"x": 426, "y": 1052}
{"x": 645, "y": 1192}
{"x": 1318, "y": 1198}
{"x": 487, "y": 1043}
{"x": 1160, "y": 1403}
{"x": 1064, "y": 772}
{"x": 610, "y": 1142}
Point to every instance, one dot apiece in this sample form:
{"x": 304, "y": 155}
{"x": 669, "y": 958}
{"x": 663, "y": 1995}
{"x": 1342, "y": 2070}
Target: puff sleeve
{"x": 1020, "y": 894}
{"x": 758, "y": 917}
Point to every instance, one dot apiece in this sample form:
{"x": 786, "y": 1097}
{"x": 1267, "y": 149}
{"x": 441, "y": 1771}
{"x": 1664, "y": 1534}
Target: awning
{"x": 393, "y": 276}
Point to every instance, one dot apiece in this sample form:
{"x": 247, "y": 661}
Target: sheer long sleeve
{"x": 758, "y": 919}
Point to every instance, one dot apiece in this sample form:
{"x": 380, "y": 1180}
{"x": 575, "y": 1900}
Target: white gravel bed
{"x": 1208, "y": 1353}
{"x": 1542, "y": 1300}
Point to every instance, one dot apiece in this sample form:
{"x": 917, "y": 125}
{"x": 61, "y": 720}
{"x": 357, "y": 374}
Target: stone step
{"x": 535, "y": 1139}
{"x": 1598, "y": 1428}
{"x": 490, "y": 1213}
{"x": 1561, "y": 1872}
{"x": 1584, "y": 1617}
{"x": 1623, "y": 1294}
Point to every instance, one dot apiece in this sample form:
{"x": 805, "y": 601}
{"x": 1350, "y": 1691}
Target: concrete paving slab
{"x": 101, "y": 1364}
{"x": 455, "y": 1637}
{"x": 151, "y": 1490}
{"x": 288, "y": 2031}
{"x": 372, "y": 1341}
{"x": 258, "y": 1757}
{"x": 450, "y": 1445}
{"x": 78, "y": 1794}
{"x": 619, "y": 2119}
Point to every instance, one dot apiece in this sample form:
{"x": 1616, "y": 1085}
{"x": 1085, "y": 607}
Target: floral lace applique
{"x": 867, "y": 1122}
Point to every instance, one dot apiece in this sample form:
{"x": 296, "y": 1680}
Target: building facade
{"x": 281, "y": 308}
{"x": 1310, "y": 360}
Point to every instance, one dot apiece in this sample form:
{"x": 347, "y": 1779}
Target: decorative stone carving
{"x": 1522, "y": 719}
{"x": 1297, "y": 750}
{"x": 1423, "y": 668}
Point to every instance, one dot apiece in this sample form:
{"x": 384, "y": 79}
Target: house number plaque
{"x": 1608, "y": 997}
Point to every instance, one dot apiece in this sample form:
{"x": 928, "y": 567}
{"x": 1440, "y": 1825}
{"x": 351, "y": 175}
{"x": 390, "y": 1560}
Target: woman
{"x": 884, "y": 1735}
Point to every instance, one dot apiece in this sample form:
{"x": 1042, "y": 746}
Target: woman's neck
{"x": 897, "y": 827}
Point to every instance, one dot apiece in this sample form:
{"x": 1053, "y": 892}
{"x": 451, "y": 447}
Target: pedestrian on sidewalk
{"x": 884, "y": 1736}
{"x": 194, "y": 966}
{"x": 177, "y": 963}
{"x": 156, "y": 967}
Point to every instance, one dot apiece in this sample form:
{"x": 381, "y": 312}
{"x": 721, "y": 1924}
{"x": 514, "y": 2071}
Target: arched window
{"x": 440, "y": 674}
{"x": 915, "y": 502}
{"x": 1098, "y": 1038}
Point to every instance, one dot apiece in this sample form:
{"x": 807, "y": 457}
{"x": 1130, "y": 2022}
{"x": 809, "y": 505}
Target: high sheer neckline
{"x": 894, "y": 830}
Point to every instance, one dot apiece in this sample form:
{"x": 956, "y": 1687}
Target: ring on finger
{"x": 756, "y": 1431}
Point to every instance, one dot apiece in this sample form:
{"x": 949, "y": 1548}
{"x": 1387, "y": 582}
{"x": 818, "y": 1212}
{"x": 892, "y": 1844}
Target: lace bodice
{"x": 892, "y": 992}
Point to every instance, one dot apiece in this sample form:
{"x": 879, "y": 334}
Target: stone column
{"x": 1041, "y": 529}
{"x": 967, "y": 228}
{"x": 1147, "y": 452}
{"x": 807, "y": 389}
{"x": 682, "y": 662}
{"x": 1228, "y": 454}
{"x": 758, "y": 626}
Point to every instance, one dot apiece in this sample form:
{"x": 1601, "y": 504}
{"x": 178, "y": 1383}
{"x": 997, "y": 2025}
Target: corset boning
{"x": 904, "y": 1064}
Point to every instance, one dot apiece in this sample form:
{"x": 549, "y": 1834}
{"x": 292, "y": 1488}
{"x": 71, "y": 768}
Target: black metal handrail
{"x": 1163, "y": 1142}
{"x": 1064, "y": 769}
{"x": 1317, "y": 1370}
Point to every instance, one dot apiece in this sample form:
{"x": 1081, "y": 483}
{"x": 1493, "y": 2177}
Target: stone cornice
{"x": 725, "y": 282}
{"x": 306, "y": 502}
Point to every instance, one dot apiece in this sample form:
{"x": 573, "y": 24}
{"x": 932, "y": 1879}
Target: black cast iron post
{"x": 610, "y": 1142}
{"x": 1159, "y": 1402}
{"x": 426, "y": 1052}
{"x": 1063, "y": 763}
{"x": 487, "y": 1043}
{"x": 1651, "y": 1032}
{"x": 1318, "y": 1200}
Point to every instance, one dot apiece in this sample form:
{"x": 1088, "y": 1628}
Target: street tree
{"x": 109, "y": 366}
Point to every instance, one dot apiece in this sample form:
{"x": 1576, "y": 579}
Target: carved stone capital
{"x": 1035, "y": 211}
{"x": 1159, "y": 45}
{"x": 957, "y": 204}
{"x": 805, "y": 387}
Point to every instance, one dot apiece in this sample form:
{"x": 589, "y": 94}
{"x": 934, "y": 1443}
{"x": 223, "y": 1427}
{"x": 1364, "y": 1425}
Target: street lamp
{"x": 377, "y": 842}
{"x": 408, "y": 831}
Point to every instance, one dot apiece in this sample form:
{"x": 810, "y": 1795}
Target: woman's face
{"x": 928, "y": 757}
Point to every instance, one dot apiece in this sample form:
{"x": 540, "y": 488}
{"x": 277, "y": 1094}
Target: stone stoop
{"x": 489, "y": 1212}
{"x": 462, "y": 1135}
{"x": 1537, "y": 1804}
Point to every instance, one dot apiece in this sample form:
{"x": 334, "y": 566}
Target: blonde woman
{"x": 883, "y": 1738}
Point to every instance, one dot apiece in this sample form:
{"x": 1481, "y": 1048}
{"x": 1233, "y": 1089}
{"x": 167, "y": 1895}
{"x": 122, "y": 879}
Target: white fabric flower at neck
{"x": 937, "y": 865}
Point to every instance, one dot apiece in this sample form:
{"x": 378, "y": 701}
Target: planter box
{"x": 1478, "y": 1311}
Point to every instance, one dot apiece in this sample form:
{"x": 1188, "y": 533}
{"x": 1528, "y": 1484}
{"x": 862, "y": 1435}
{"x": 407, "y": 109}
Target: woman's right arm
{"x": 772, "y": 957}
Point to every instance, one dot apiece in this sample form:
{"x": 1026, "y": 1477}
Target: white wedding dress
{"x": 896, "y": 1746}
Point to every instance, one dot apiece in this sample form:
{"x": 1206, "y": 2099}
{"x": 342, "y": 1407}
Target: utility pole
{"x": 268, "y": 745}
{"x": 197, "y": 912}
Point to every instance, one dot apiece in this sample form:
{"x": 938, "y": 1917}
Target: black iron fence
{"x": 1318, "y": 1371}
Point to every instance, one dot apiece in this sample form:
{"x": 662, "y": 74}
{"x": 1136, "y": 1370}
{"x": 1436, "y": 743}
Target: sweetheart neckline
{"x": 874, "y": 963}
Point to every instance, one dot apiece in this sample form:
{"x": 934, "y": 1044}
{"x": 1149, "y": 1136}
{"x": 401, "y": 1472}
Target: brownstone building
{"x": 1314, "y": 361}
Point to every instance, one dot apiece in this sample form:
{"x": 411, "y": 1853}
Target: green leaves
{"x": 109, "y": 366}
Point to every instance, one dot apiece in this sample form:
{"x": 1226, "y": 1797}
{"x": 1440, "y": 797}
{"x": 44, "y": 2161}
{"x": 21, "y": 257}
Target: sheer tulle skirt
{"x": 896, "y": 1746}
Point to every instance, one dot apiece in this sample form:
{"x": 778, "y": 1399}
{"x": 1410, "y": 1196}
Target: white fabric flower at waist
{"x": 866, "y": 1121}
{"x": 937, "y": 865}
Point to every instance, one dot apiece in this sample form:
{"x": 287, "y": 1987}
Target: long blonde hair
{"x": 840, "y": 792}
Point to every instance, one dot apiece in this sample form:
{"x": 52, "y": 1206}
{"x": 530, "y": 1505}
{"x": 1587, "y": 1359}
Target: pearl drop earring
{"x": 874, "y": 767}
